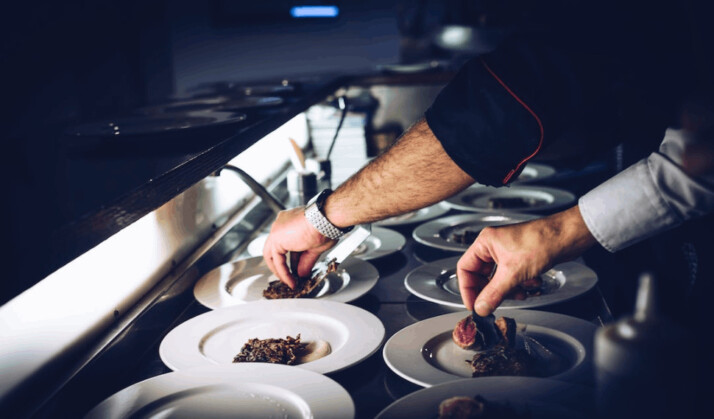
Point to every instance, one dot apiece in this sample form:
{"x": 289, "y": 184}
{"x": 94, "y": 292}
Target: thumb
{"x": 493, "y": 293}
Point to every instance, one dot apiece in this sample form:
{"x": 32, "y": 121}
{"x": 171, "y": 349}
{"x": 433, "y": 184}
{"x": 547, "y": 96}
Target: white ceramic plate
{"x": 539, "y": 199}
{"x": 437, "y": 282}
{"x": 439, "y": 233}
{"x": 217, "y": 336}
{"x": 232, "y": 391}
{"x": 244, "y": 280}
{"x": 424, "y": 353}
{"x": 534, "y": 172}
{"x": 541, "y": 397}
{"x": 417, "y": 216}
{"x": 382, "y": 242}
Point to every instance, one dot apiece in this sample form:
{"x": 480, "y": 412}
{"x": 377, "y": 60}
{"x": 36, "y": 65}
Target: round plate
{"x": 382, "y": 242}
{"x": 251, "y": 102}
{"x": 235, "y": 391}
{"x": 440, "y": 233}
{"x": 244, "y": 280}
{"x": 421, "y": 67}
{"x": 243, "y": 89}
{"x": 541, "y": 397}
{"x": 534, "y": 172}
{"x": 214, "y": 103}
{"x": 530, "y": 199}
{"x": 424, "y": 353}
{"x": 155, "y": 124}
{"x": 437, "y": 282}
{"x": 417, "y": 216}
{"x": 217, "y": 336}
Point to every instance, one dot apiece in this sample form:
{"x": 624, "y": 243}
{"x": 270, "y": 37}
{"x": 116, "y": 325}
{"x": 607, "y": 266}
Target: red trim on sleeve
{"x": 540, "y": 124}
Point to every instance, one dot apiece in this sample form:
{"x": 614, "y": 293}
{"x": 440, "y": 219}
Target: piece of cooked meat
{"x": 461, "y": 407}
{"x": 506, "y": 327}
{"x": 303, "y": 288}
{"x": 514, "y": 202}
{"x": 465, "y": 237}
{"x": 275, "y": 351}
{"x": 466, "y": 336}
{"x": 499, "y": 361}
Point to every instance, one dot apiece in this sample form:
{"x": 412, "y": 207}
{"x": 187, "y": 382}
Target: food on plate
{"x": 465, "y": 236}
{"x": 514, "y": 202}
{"x": 530, "y": 288}
{"x": 304, "y": 288}
{"x": 466, "y": 335}
{"x": 289, "y": 351}
{"x": 501, "y": 359}
{"x": 274, "y": 351}
{"x": 462, "y": 407}
{"x": 507, "y": 328}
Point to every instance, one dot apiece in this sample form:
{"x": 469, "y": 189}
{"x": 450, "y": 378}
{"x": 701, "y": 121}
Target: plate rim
{"x": 432, "y": 211}
{"x": 427, "y": 230}
{"x": 88, "y": 129}
{"x": 548, "y": 170}
{"x": 575, "y": 290}
{"x": 579, "y": 329}
{"x": 530, "y": 389}
{"x": 565, "y": 196}
{"x": 206, "y": 293}
{"x": 370, "y": 332}
{"x": 385, "y": 235}
{"x": 214, "y": 374}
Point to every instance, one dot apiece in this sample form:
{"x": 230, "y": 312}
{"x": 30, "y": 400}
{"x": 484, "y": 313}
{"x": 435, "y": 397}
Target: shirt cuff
{"x": 626, "y": 209}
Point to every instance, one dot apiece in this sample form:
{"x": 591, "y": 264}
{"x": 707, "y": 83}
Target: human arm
{"x": 414, "y": 173}
{"x": 495, "y": 115}
{"x": 649, "y": 197}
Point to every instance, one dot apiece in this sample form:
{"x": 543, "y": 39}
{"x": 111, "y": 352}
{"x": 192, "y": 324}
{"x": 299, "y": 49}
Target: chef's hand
{"x": 522, "y": 252}
{"x": 292, "y": 233}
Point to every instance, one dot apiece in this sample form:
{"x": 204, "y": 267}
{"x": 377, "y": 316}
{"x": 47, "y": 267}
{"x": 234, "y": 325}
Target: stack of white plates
{"x": 349, "y": 153}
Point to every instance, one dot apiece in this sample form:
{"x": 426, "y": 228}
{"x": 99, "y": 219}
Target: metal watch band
{"x": 315, "y": 217}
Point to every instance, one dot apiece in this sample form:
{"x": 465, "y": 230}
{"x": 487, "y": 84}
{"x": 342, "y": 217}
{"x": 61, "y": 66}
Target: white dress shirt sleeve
{"x": 649, "y": 197}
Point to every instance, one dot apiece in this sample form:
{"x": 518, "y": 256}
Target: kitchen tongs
{"x": 486, "y": 326}
{"x": 321, "y": 271}
{"x": 486, "y": 330}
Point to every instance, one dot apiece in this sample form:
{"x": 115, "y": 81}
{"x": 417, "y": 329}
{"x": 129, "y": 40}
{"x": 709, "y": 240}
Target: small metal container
{"x": 323, "y": 169}
{"x": 302, "y": 185}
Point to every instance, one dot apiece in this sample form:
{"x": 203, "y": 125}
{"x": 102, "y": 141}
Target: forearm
{"x": 414, "y": 173}
{"x": 569, "y": 235}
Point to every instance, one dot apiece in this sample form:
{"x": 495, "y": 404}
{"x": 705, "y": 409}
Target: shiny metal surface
{"x": 270, "y": 199}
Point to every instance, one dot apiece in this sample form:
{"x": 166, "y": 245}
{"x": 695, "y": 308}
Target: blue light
{"x": 314, "y": 11}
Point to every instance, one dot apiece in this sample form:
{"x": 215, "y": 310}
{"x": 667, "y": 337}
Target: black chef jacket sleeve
{"x": 500, "y": 109}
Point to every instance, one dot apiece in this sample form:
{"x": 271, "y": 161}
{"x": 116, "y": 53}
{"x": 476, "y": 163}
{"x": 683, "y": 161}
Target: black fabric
{"x": 476, "y": 120}
{"x": 602, "y": 76}
{"x": 488, "y": 130}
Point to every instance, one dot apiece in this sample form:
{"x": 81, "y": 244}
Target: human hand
{"x": 292, "y": 233}
{"x": 522, "y": 252}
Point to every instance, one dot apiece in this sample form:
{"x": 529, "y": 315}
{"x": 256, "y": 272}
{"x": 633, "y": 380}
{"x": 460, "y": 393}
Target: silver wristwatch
{"x": 317, "y": 219}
